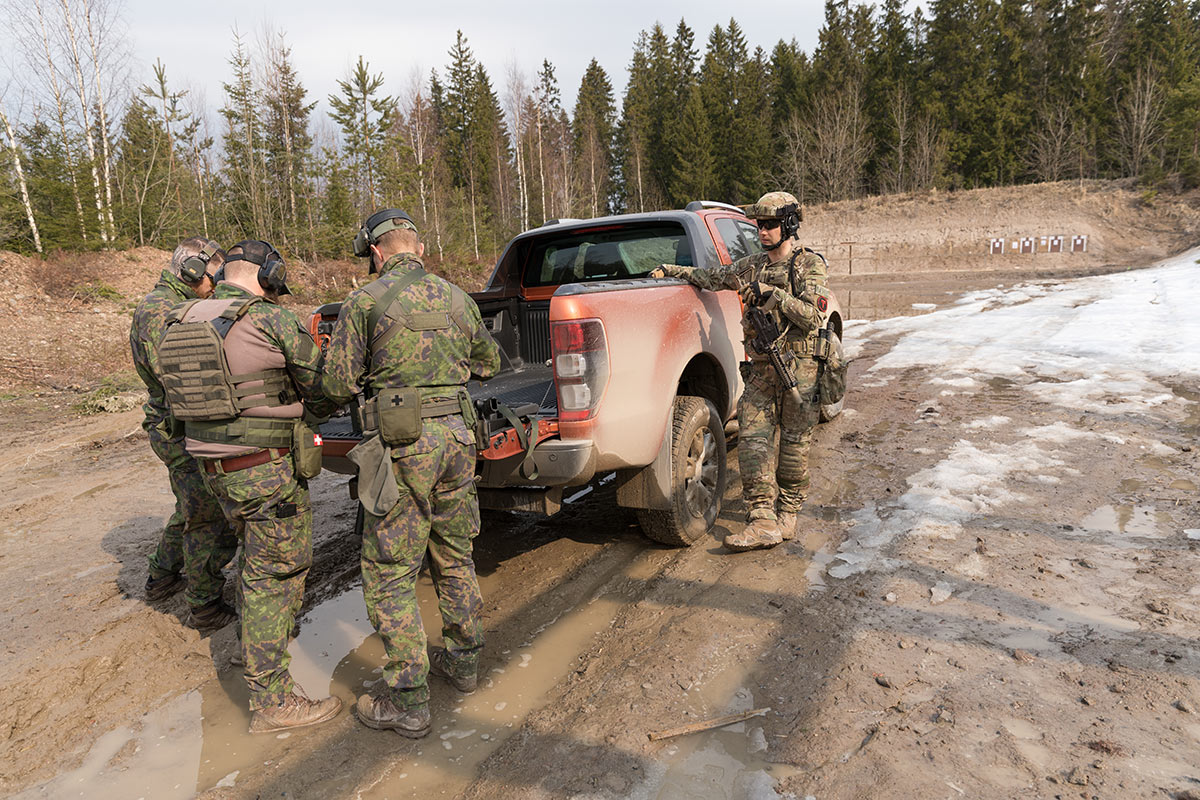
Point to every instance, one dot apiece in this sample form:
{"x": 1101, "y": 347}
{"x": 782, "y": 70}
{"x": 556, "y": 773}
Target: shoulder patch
{"x": 822, "y": 304}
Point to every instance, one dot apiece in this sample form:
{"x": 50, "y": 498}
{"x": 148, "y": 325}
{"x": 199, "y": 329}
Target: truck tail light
{"x": 580, "y": 366}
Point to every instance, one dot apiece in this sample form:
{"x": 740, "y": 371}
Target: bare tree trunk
{"x": 516, "y": 103}
{"x": 1139, "y": 120}
{"x": 474, "y": 222}
{"x": 541, "y": 164}
{"x": 437, "y": 219}
{"x": 637, "y": 157}
{"x": 200, "y": 190}
{"x": 85, "y": 116}
{"x": 16, "y": 157}
{"x": 564, "y": 140}
{"x": 93, "y": 42}
{"x": 592, "y": 167}
{"x": 52, "y": 73}
{"x": 417, "y": 137}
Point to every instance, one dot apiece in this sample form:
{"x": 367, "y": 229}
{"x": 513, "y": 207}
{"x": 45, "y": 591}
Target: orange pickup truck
{"x": 607, "y": 371}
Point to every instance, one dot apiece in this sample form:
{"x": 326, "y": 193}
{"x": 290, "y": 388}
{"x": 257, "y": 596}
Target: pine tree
{"x": 692, "y": 175}
{"x": 594, "y": 126}
{"x": 364, "y": 117}
{"x": 634, "y": 134}
{"x": 241, "y": 177}
{"x": 288, "y": 141}
{"x": 143, "y": 172}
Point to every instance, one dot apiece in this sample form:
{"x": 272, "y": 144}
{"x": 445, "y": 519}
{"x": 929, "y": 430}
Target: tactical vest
{"x": 397, "y": 310}
{"x": 787, "y": 276}
{"x": 203, "y": 393}
{"x": 424, "y": 401}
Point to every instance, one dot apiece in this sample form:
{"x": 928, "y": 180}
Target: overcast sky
{"x": 327, "y": 38}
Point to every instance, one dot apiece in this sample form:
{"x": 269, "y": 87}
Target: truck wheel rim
{"x": 700, "y": 481}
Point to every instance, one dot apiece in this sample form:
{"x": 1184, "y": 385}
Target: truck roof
{"x": 692, "y": 220}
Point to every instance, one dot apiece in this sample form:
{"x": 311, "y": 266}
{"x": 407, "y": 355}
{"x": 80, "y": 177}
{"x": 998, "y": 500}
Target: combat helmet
{"x": 781, "y": 206}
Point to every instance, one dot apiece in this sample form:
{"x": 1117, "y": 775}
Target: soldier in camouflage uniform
{"x": 409, "y": 341}
{"x": 196, "y": 539}
{"x": 253, "y": 460}
{"x": 788, "y": 282}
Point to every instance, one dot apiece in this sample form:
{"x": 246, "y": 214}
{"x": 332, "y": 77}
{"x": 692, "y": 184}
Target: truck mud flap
{"x": 537, "y": 501}
{"x": 648, "y": 486}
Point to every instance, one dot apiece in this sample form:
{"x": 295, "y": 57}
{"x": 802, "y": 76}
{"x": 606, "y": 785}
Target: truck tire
{"x": 831, "y": 410}
{"x": 698, "y": 470}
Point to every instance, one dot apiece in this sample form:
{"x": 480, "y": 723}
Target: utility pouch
{"x": 399, "y": 415}
{"x": 306, "y": 449}
{"x": 831, "y": 382}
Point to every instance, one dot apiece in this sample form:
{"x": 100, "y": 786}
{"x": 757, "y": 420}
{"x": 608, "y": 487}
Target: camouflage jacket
{"x": 799, "y": 305}
{"x": 284, "y": 330}
{"x": 437, "y": 357}
{"x": 149, "y": 324}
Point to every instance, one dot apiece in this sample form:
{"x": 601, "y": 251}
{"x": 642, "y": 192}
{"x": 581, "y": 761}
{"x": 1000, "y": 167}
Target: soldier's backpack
{"x": 195, "y": 371}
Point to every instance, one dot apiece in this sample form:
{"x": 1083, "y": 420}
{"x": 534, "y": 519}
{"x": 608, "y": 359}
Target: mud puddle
{"x": 199, "y": 740}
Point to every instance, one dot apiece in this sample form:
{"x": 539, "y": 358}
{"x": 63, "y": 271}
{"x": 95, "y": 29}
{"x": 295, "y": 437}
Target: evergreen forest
{"x": 956, "y": 94}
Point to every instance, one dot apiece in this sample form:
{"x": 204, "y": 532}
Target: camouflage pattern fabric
{"x": 268, "y": 506}
{"x": 196, "y": 540}
{"x": 432, "y": 358}
{"x": 149, "y": 324}
{"x": 798, "y": 305}
{"x": 284, "y": 330}
{"x": 774, "y": 478}
{"x": 270, "y": 510}
{"x": 764, "y": 408}
{"x": 439, "y": 512}
{"x": 438, "y": 507}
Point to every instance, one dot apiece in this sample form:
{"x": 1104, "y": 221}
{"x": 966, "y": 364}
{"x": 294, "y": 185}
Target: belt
{"x": 815, "y": 347}
{"x": 237, "y": 463}
{"x": 430, "y": 407}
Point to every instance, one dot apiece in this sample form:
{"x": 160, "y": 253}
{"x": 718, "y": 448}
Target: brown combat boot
{"x": 296, "y": 711}
{"x": 760, "y": 533}
{"x": 382, "y": 714}
{"x": 439, "y": 664}
{"x": 164, "y": 587}
{"x": 211, "y": 616}
{"x": 787, "y": 524}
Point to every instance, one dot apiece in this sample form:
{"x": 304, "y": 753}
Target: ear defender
{"x": 193, "y": 269}
{"x": 272, "y": 276}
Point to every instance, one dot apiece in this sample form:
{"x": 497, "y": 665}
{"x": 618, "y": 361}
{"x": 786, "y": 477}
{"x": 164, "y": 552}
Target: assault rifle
{"x": 766, "y": 341}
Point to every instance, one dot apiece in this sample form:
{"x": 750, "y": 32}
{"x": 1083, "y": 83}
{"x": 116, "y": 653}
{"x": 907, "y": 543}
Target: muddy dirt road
{"x": 994, "y": 596}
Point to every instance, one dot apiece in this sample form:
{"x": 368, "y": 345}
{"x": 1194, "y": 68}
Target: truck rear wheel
{"x": 698, "y": 472}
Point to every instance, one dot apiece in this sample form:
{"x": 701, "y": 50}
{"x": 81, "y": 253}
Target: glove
{"x": 657, "y": 272}
{"x": 759, "y": 294}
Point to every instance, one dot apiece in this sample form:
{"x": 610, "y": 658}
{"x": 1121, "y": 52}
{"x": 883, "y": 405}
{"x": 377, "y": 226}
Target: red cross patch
{"x": 822, "y": 304}
{"x": 317, "y": 440}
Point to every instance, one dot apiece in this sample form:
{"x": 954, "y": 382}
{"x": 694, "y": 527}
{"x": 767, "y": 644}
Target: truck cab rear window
{"x": 605, "y": 255}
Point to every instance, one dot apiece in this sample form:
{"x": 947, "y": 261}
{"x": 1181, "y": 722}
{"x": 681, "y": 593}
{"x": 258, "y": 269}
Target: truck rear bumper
{"x": 560, "y": 462}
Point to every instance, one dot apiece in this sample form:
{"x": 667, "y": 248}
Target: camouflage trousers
{"x": 197, "y": 540}
{"x": 268, "y": 506}
{"x": 775, "y": 476}
{"x": 438, "y": 511}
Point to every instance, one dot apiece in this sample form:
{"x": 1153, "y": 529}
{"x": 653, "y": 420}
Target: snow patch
{"x": 994, "y": 421}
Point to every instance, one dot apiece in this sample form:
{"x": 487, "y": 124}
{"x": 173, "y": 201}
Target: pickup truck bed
{"x": 606, "y": 370}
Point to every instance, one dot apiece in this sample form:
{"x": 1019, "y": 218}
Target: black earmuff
{"x": 194, "y": 268}
{"x": 272, "y": 276}
{"x": 792, "y": 215}
{"x": 272, "y": 272}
